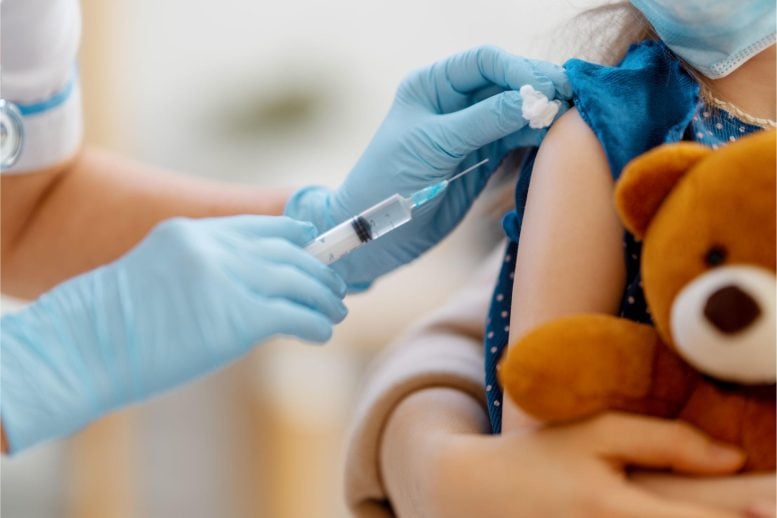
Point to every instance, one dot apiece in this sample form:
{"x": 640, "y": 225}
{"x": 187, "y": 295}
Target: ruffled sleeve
{"x": 645, "y": 101}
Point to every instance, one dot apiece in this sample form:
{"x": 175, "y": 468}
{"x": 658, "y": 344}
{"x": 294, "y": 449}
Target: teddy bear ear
{"x": 647, "y": 180}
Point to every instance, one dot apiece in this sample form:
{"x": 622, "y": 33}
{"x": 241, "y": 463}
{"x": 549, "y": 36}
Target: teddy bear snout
{"x": 731, "y": 309}
{"x": 723, "y": 323}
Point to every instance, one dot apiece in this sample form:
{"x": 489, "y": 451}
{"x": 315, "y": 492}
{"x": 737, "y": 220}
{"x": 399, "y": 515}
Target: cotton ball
{"x": 537, "y": 109}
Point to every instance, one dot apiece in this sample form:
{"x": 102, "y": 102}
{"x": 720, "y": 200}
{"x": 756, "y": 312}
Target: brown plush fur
{"x": 682, "y": 200}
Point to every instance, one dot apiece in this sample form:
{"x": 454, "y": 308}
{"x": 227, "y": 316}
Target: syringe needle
{"x": 376, "y": 221}
{"x": 427, "y": 194}
{"x": 468, "y": 170}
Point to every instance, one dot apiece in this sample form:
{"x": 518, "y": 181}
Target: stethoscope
{"x": 11, "y": 133}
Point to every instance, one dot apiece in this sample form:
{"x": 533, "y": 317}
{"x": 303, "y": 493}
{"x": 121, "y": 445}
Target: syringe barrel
{"x": 349, "y": 235}
{"x": 335, "y": 242}
{"x": 385, "y": 216}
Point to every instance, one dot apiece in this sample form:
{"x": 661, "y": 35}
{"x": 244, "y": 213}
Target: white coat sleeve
{"x": 444, "y": 350}
{"x": 38, "y": 46}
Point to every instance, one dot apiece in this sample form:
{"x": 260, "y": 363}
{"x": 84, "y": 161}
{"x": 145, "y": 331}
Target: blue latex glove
{"x": 194, "y": 295}
{"x": 444, "y": 119}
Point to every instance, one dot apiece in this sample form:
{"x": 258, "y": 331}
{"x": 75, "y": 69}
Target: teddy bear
{"x": 706, "y": 219}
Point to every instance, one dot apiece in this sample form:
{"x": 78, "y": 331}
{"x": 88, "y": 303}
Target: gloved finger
{"x": 280, "y": 251}
{"x": 484, "y": 93}
{"x": 631, "y": 503}
{"x": 661, "y": 443}
{"x": 289, "y": 318}
{"x": 278, "y": 281}
{"x": 469, "y": 129}
{"x": 483, "y": 66}
{"x": 254, "y": 227}
{"x": 526, "y": 137}
{"x": 557, "y": 76}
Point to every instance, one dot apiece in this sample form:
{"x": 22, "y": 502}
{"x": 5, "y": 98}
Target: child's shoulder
{"x": 644, "y": 101}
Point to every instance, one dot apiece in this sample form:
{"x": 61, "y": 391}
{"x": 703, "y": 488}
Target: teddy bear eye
{"x": 715, "y": 256}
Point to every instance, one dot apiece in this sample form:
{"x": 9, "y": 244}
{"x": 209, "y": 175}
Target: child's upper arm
{"x": 570, "y": 258}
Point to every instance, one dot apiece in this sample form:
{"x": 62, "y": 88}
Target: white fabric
{"x": 38, "y": 45}
{"x": 51, "y": 137}
{"x": 444, "y": 350}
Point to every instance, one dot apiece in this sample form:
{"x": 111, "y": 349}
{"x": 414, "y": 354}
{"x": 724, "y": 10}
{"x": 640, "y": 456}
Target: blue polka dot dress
{"x": 645, "y": 101}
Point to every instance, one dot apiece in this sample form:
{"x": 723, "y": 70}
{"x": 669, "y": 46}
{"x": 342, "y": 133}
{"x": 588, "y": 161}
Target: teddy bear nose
{"x": 731, "y": 310}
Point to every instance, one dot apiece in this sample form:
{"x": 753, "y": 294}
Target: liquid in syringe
{"x": 377, "y": 221}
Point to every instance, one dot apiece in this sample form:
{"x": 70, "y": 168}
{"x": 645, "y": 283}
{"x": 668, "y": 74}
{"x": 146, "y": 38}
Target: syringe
{"x": 378, "y": 220}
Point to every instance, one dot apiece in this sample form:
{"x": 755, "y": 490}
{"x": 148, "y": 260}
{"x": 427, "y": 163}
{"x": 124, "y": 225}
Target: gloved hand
{"x": 444, "y": 119}
{"x": 192, "y": 296}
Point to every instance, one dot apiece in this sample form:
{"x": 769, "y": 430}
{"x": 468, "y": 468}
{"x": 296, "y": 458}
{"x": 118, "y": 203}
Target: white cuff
{"x": 51, "y": 136}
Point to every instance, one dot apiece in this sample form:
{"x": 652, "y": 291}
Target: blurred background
{"x": 271, "y": 93}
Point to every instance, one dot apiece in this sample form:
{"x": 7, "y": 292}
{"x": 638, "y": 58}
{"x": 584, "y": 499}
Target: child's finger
{"x": 761, "y": 510}
{"x": 662, "y": 443}
{"x": 735, "y": 492}
{"x": 631, "y": 503}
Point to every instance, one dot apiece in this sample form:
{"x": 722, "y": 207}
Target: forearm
{"x": 408, "y": 445}
{"x": 61, "y": 222}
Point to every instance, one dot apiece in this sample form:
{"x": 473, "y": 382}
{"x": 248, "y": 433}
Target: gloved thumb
{"x": 253, "y": 227}
{"x": 482, "y": 123}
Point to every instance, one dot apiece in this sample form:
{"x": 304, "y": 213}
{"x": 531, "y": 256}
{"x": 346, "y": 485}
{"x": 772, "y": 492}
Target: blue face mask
{"x": 713, "y": 36}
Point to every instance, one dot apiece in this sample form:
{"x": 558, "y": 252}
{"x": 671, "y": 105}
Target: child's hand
{"x": 753, "y": 495}
{"x": 575, "y": 470}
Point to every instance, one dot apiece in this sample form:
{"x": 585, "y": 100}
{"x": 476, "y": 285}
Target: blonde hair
{"x": 608, "y": 31}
